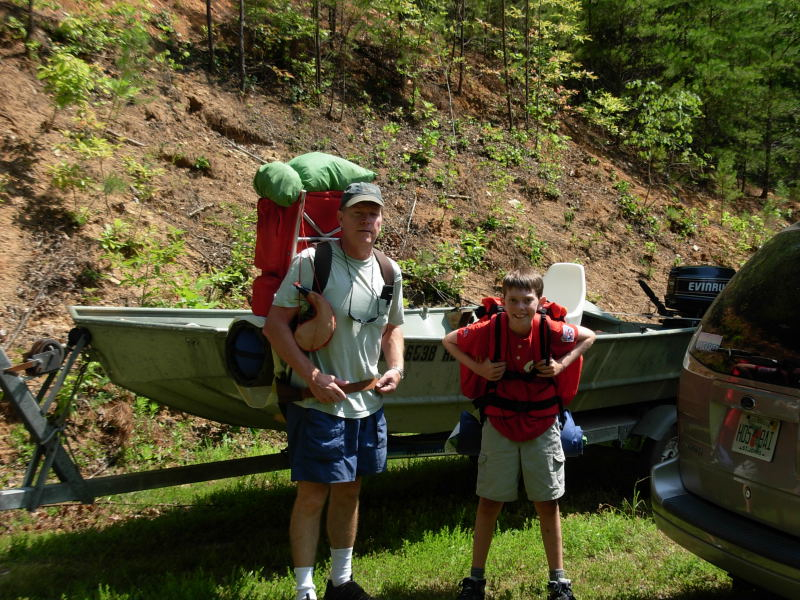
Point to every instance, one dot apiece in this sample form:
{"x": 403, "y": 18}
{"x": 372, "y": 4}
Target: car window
{"x": 753, "y": 328}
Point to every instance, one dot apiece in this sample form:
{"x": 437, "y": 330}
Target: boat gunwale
{"x": 113, "y": 316}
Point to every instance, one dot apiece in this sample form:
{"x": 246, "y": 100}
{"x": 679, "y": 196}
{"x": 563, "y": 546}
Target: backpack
{"x": 475, "y": 387}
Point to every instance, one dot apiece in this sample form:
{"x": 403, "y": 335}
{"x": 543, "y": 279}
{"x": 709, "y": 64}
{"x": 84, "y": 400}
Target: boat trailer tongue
{"x": 44, "y": 416}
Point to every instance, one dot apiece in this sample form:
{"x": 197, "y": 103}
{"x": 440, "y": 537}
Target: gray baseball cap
{"x": 361, "y": 192}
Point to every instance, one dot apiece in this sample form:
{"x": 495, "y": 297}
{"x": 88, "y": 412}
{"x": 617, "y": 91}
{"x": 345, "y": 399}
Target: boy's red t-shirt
{"x": 520, "y": 354}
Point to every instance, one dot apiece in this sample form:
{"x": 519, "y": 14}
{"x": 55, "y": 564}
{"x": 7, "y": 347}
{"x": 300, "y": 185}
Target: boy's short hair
{"x": 524, "y": 279}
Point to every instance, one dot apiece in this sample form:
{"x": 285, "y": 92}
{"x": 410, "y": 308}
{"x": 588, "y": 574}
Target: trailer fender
{"x": 657, "y": 422}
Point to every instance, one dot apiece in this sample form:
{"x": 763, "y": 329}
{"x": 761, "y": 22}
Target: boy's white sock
{"x": 305, "y": 588}
{"x": 341, "y": 565}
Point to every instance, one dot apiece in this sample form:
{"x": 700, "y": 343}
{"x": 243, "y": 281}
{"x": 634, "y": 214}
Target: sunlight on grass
{"x": 228, "y": 540}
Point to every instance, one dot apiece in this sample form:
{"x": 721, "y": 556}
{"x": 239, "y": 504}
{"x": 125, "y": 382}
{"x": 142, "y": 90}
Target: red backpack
{"x": 474, "y": 386}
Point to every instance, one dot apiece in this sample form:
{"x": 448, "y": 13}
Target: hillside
{"x": 462, "y": 192}
{"x": 565, "y": 205}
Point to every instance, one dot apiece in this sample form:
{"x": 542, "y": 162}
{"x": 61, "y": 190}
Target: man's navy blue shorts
{"x": 324, "y": 448}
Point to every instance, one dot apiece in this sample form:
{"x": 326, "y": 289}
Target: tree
{"x": 242, "y": 72}
{"x": 210, "y": 28}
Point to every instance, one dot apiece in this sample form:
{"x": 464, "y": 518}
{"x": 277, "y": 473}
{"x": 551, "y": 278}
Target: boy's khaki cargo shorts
{"x": 541, "y": 461}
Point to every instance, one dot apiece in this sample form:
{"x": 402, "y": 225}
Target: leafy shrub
{"x": 70, "y": 79}
{"x": 436, "y": 277}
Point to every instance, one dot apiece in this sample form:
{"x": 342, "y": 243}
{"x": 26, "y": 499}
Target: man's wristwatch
{"x": 399, "y": 370}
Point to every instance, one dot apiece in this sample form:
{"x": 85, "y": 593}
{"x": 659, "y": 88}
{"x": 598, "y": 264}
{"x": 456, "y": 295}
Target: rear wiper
{"x": 756, "y": 359}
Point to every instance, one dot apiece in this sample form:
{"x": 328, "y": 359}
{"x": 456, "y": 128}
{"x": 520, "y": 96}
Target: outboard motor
{"x": 691, "y": 290}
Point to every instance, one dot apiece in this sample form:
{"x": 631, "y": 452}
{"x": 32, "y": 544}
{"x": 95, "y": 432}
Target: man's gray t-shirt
{"x": 353, "y": 352}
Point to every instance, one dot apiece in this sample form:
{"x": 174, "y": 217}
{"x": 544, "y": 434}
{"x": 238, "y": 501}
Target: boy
{"x": 521, "y": 431}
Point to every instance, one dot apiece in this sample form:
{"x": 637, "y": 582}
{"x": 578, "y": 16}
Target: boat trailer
{"x": 45, "y": 424}
{"x": 45, "y": 415}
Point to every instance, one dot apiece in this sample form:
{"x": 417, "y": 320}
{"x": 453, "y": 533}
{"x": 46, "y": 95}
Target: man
{"x": 336, "y": 437}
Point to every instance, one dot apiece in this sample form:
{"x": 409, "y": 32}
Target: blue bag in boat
{"x": 572, "y": 438}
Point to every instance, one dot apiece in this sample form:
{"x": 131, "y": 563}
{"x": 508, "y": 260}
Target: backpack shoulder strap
{"x": 323, "y": 259}
{"x": 322, "y": 266}
{"x": 387, "y": 272}
{"x": 386, "y": 267}
{"x": 498, "y": 337}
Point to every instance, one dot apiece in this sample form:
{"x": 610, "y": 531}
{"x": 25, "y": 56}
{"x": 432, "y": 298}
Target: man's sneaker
{"x": 347, "y": 591}
{"x": 560, "y": 590}
{"x": 472, "y": 589}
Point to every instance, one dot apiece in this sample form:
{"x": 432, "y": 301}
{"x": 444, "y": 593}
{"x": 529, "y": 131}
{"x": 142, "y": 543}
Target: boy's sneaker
{"x": 560, "y": 590}
{"x": 472, "y": 589}
{"x": 347, "y": 591}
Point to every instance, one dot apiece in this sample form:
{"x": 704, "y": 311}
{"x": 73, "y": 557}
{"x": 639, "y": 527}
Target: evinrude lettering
{"x": 706, "y": 286}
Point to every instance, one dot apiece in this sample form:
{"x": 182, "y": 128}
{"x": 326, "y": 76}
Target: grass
{"x": 227, "y": 540}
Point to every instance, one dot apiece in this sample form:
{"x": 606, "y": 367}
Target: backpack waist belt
{"x": 515, "y": 405}
{"x": 517, "y": 375}
{"x": 289, "y": 393}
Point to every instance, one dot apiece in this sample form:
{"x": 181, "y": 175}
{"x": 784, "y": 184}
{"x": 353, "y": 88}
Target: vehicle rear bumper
{"x": 745, "y": 548}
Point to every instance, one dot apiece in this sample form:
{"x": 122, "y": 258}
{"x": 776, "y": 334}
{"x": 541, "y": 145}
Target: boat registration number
{"x": 756, "y": 436}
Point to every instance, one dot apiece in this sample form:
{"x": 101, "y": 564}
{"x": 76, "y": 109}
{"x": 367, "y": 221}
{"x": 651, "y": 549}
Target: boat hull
{"x": 177, "y": 357}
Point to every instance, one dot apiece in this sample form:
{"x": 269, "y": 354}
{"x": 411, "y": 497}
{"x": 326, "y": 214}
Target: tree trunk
{"x": 317, "y": 49}
{"x": 765, "y": 182}
{"x": 462, "y": 9}
{"x": 210, "y": 27}
{"x": 332, "y": 19}
{"x": 242, "y": 73}
{"x": 505, "y": 67}
{"x": 527, "y": 59}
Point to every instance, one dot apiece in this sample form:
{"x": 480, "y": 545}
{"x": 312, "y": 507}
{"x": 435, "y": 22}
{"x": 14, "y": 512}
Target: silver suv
{"x": 732, "y": 496}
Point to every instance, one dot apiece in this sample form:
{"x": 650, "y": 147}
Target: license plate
{"x": 756, "y": 436}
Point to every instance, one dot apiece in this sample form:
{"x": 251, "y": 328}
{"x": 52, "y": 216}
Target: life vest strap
{"x": 522, "y": 406}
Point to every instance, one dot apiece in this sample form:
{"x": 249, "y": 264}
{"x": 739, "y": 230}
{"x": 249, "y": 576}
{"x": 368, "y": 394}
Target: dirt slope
{"x": 49, "y": 262}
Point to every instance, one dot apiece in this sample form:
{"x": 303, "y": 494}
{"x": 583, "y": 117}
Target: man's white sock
{"x": 305, "y": 588}
{"x": 341, "y": 565}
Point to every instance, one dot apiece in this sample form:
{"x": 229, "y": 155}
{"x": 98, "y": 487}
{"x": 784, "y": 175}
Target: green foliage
{"x": 607, "y": 111}
{"x": 751, "y": 229}
{"x": 662, "y": 123}
{"x": 118, "y": 239}
{"x": 276, "y": 29}
{"x": 70, "y": 176}
{"x": 144, "y": 260}
{"x": 70, "y": 79}
{"x": 740, "y": 57}
{"x": 228, "y": 286}
{"x": 506, "y": 150}
{"x": 20, "y": 443}
{"x": 427, "y": 143}
{"x": 682, "y": 222}
{"x": 88, "y": 145}
{"x": 5, "y": 180}
{"x": 80, "y": 216}
{"x": 531, "y": 246}
{"x": 201, "y": 163}
{"x": 84, "y": 35}
{"x": 569, "y": 218}
{"x": 633, "y": 212}
{"x": 439, "y": 276}
{"x": 17, "y": 28}
{"x": 143, "y": 175}
{"x": 114, "y": 184}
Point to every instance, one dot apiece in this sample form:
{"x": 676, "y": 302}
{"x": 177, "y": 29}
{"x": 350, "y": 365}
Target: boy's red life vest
{"x": 539, "y": 399}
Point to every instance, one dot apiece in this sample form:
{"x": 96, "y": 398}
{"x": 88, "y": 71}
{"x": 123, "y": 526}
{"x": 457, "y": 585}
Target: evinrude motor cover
{"x": 692, "y": 289}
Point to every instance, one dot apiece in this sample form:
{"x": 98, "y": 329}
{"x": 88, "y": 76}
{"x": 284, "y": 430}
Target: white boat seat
{"x": 565, "y": 284}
